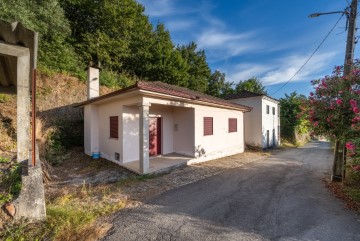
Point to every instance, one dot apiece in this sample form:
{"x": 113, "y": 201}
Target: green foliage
{"x": 11, "y": 181}
{"x": 218, "y": 86}
{"x": 112, "y": 78}
{"x": 4, "y": 98}
{"x": 199, "y": 71}
{"x": 253, "y": 84}
{"x": 293, "y": 116}
{"x": 4, "y": 160}
{"x": 48, "y": 19}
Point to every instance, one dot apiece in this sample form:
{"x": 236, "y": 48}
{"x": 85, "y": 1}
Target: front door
{"x": 154, "y": 136}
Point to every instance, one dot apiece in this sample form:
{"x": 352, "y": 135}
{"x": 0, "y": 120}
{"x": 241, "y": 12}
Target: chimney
{"x": 93, "y": 85}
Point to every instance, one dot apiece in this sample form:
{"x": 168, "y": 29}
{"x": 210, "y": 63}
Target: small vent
{"x": 117, "y": 156}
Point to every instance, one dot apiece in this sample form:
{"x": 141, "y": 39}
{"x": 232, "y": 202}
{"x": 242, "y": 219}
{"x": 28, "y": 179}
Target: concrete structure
{"x": 152, "y": 119}
{"x": 262, "y": 124}
{"x": 18, "y": 54}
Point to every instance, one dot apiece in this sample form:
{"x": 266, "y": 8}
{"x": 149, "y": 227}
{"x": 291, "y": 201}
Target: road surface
{"x": 282, "y": 197}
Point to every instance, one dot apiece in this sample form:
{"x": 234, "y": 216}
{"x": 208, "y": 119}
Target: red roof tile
{"x": 172, "y": 90}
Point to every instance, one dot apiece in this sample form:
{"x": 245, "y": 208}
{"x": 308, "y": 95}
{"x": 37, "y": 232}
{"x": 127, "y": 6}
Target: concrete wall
{"x": 130, "y": 134}
{"x": 221, "y": 143}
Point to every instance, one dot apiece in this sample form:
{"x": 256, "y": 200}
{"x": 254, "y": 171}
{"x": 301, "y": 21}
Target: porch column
{"x": 144, "y": 137}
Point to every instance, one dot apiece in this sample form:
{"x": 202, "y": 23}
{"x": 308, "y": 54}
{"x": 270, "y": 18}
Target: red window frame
{"x": 232, "y": 125}
{"x": 114, "y": 127}
{"x": 208, "y": 126}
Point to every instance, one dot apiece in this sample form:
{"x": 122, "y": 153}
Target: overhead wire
{"x": 317, "y": 48}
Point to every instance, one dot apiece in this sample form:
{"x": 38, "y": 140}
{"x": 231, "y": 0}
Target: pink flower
{"x": 311, "y": 94}
{"x": 356, "y": 168}
{"x": 316, "y": 123}
{"x": 356, "y": 118}
{"x": 340, "y": 92}
{"x": 338, "y": 101}
{"x": 353, "y": 103}
{"x": 356, "y": 109}
{"x": 350, "y": 146}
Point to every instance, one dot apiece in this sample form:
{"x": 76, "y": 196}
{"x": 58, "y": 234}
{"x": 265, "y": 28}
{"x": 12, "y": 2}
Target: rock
{"x": 10, "y": 209}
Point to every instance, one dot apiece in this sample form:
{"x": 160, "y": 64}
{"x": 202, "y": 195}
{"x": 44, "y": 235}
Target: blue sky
{"x": 268, "y": 39}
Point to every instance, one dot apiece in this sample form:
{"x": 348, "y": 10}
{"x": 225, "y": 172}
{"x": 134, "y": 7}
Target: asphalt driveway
{"x": 281, "y": 197}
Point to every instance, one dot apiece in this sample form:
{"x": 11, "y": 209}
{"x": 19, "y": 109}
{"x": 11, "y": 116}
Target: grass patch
{"x": 70, "y": 216}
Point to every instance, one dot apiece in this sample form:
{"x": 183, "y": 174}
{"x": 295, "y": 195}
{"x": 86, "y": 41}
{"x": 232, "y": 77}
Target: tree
{"x": 218, "y": 86}
{"x": 166, "y": 63}
{"x": 48, "y": 19}
{"x": 199, "y": 71}
{"x": 293, "y": 118}
{"x": 253, "y": 84}
{"x": 334, "y": 112}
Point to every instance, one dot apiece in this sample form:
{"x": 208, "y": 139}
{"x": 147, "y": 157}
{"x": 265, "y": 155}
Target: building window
{"x": 208, "y": 126}
{"x": 267, "y": 109}
{"x": 114, "y": 127}
{"x": 232, "y": 125}
{"x": 273, "y": 109}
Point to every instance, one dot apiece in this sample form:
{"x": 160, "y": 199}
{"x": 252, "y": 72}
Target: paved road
{"x": 278, "y": 198}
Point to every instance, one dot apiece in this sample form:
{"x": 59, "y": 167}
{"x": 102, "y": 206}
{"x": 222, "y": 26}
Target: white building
{"x": 134, "y": 125}
{"x": 262, "y": 124}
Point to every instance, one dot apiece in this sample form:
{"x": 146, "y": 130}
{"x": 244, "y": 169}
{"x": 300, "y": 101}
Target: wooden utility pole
{"x": 340, "y": 150}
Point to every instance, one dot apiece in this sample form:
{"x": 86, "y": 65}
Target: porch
{"x": 160, "y": 163}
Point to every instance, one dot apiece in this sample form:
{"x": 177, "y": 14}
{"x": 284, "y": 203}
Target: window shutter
{"x": 208, "y": 126}
{"x": 114, "y": 127}
{"x": 273, "y": 109}
{"x": 232, "y": 125}
{"x": 267, "y": 109}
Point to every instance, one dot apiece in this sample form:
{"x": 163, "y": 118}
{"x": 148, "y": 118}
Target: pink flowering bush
{"x": 335, "y": 111}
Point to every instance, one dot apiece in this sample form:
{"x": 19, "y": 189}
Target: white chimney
{"x": 93, "y": 86}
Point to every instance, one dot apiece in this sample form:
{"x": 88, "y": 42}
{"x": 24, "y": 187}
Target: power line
{"x": 318, "y": 47}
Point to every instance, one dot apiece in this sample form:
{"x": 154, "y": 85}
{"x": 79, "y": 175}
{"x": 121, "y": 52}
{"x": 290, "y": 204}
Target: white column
{"x": 23, "y": 107}
{"x": 144, "y": 137}
{"x": 93, "y": 85}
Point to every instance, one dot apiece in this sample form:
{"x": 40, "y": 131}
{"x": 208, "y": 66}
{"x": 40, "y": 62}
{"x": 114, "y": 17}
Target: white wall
{"x": 221, "y": 143}
{"x": 184, "y": 131}
{"x": 253, "y": 120}
{"x": 108, "y": 146}
{"x": 130, "y": 134}
{"x": 270, "y": 122}
{"x": 91, "y": 130}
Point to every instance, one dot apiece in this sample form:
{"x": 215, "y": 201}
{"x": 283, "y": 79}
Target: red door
{"x": 154, "y": 136}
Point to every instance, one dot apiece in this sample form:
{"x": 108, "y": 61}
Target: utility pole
{"x": 350, "y": 42}
{"x": 338, "y": 172}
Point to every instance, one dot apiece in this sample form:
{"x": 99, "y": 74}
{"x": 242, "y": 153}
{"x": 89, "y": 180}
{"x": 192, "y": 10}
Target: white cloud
{"x": 222, "y": 45}
{"x": 281, "y": 70}
{"x": 288, "y": 66}
{"x": 158, "y": 8}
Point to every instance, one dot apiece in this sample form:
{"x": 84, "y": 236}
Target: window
{"x": 114, "y": 127}
{"x": 267, "y": 109}
{"x": 273, "y": 110}
{"x": 208, "y": 126}
{"x": 232, "y": 125}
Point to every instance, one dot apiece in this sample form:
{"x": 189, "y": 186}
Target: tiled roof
{"x": 246, "y": 94}
{"x": 172, "y": 90}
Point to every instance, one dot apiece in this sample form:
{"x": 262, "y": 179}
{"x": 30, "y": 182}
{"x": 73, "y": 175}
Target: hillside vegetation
{"x": 74, "y": 33}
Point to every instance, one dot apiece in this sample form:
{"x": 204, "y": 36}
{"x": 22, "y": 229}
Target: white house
{"x": 262, "y": 124}
{"x": 152, "y": 119}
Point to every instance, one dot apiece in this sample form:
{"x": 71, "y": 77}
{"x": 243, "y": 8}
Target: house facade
{"x": 152, "y": 119}
{"x": 262, "y": 124}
